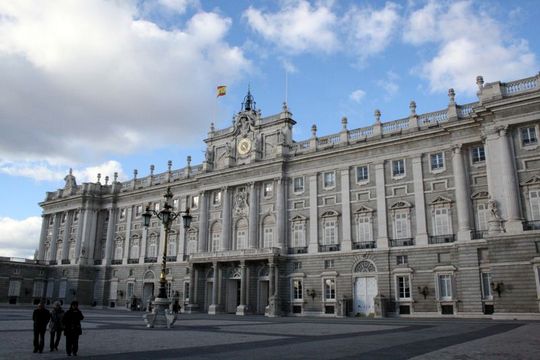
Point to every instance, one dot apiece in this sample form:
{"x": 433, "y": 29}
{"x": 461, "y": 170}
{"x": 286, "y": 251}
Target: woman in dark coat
{"x": 72, "y": 328}
{"x": 56, "y": 326}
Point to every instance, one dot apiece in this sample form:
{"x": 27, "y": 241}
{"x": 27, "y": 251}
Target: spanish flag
{"x": 221, "y": 90}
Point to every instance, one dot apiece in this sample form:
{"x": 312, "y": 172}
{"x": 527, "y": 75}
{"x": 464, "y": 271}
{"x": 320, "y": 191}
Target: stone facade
{"x": 433, "y": 214}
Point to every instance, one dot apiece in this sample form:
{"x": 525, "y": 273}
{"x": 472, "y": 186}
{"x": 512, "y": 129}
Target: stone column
{"x": 213, "y": 309}
{"x": 253, "y": 218}
{"x": 382, "y": 230}
{"x": 142, "y": 249}
{"x": 462, "y": 195}
{"x": 502, "y": 181}
{"x": 226, "y": 219}
{"x": 420, "y": 203}
{"x": 181, "y": 251}
{"x": 192, "y": 306}
{"x": 54, "y": 237}
{"x": 271, "y": 282}
{"x": 80, "y": 234}
{"x": 127, "y": 242}
{"x": 346, "y": 243}
{"x": 203, "y": 223}
{"x": 242, "y": 308}
{"x": 65, "y": 240}
{"x": 43, "y": 237}
{"x": 271, "y": 309}
{"x": 313, "y": 246}
{"x": 92, "y": 237}
{"x": 281, "y": 213}
{"x": 110, "y": 236}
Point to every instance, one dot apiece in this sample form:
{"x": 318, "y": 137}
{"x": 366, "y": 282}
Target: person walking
{"x": 41, "y": 318}
{"x": 72, "y": 328}
{"x": 56, "y": 326}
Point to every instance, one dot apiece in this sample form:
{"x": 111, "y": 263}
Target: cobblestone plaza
{"x": 109, "y": 334}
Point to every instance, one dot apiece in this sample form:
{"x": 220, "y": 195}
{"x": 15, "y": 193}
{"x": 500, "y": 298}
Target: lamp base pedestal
{"x": 161, "y": 316}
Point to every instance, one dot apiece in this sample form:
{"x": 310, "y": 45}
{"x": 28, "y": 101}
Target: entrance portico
{"x": 221, "y": 282}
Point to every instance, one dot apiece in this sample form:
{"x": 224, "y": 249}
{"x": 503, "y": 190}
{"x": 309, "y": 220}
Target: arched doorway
{"x": 232, "y": 299}
{"x": 262, "y": 289}
{"x": 148, "y": 287}
{"x": 365, "y": 288}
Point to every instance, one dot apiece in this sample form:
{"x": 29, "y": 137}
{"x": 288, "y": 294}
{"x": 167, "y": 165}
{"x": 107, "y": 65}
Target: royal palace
{"x": 434, "y": 214}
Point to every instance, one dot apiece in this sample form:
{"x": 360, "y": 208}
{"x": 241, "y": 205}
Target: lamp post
{"x": 161, "y": 314}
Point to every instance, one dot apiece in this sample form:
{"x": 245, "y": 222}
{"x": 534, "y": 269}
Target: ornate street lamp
{"x": 167, "y": 216}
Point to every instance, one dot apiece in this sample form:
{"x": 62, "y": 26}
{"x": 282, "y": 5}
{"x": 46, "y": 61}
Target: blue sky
{"x": 104, "y": 86}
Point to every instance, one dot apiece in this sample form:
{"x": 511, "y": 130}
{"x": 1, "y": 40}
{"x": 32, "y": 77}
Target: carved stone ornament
{"x": 241, "y": 202}
{"x": 364, "y": 266}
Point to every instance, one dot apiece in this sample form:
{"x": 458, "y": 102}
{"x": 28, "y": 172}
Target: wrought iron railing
{"x": 364, "y": 245}
{"x": 150, "y": 259}
{"x": 297, "y": 250}
{"x": 402, "y": 242}
{"x": 478, "y": 234}
{"x": 66, "y": 261}
{"x": 97, "y": 262}
{"x": 171, "y": 258}
{"x": 442, "y": 239}
{"x": 531, "y": 225}
{"x": 329, "y": 248}
{"x": 116, "y": 262}
{"x": 133, "y": 261}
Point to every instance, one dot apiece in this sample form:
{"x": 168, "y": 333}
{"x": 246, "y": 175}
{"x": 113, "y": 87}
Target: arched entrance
{"x": 233, "y": 290}
{"x": 365, "y": 288}
{"x": 148, "y": 288}
{"x": 262, "y": 289}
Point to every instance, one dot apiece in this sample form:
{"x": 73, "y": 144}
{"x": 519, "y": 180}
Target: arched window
{"x": 59, "y": 250}
{"x": 268, "y": 232}
{"x": 192, "y": 242}
{"x": 135, "y": 245}
{"x": 152, "y": 246}
{"x": 298, "y": 238}
{"x": 171, "y": 245}
{"x": 215, "y": 237}
{"x": 241, "y": 234}
{"x": 118, "y": 250}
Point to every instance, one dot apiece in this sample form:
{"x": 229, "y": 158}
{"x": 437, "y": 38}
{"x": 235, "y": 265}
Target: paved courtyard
{"x": 117, "y": 334}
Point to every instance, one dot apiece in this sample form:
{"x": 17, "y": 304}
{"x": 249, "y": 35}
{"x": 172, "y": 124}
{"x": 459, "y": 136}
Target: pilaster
{"x": 382, "y": 229}
{"x": 462, "y": 196}
{"x": 110, "y": 236}
{"x": 127, "y": 241}
{"x": 43, "y": 237}
{"x": 420, "y": 203}
{"x": 313, "y": 246}
{"x": 203, "y": 222}
{"x": 346, "y": 243}
{"x": 253, "y": 211}
{"x": 281, "y": 213}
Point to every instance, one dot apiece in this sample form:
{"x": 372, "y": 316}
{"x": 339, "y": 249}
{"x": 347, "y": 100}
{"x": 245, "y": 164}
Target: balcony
{"x": 171, "y": 258}
{"x": 133, "y": 261}
{"x": 364, "y": 245}
{"x": 53, "y": 262}
{"x": 116, "y": 262}
{"x": 66, "y": 261}
{"x": 531, "y": 225}
{"x": 329, "y": 248}
{"x": 98, "y": 262}
{"x": 150, "y": 259}
{"x": 478, "y": 234}
{"x": 186, "y": 257}
{"x": 297, "y": 250}
{"x": 402, "y": 242}
{"x": 240, "y": 253}
{"x": 442, "y": 239}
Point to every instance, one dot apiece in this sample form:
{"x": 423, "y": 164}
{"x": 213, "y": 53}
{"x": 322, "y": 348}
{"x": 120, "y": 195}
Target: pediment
{"x": 533, "y": 180}
{"x": 401, "y": 205}
{"x": 298, "y": 218}
{"x": 480, "y": 195}
{"x": 363, "y": 210}
{"x": 441, "y": 200}
{"x": 330, "y": 213}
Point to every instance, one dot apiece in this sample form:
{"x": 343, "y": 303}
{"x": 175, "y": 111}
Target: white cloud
{"x": 371, "y": 30}
{"x": 389, "y": 84}
{"x": 471, "y": 42}
{"x": 82, "y": 81}
{"x": 19, "y": 238}
{"x": 357, "y": 95}
{"x": 44, "y": 171}
{"x": 178, "y": 6}
{"x": 297, "y": 27}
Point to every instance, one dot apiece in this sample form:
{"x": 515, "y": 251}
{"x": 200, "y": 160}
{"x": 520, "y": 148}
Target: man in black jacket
{"x": 72, "y": 328}
{"x": 41, "y": 318}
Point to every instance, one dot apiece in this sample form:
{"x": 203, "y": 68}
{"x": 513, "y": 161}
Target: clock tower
{"x": 251, "y": 138}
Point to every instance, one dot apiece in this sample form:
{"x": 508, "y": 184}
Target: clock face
{"x": 244, "y": 146}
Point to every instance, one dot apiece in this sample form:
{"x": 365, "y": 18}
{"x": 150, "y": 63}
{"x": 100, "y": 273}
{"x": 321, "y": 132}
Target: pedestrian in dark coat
{"x": 41, "y": 318}
{"x": 72, "y": 328}
{"x": 56, "y": 326}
